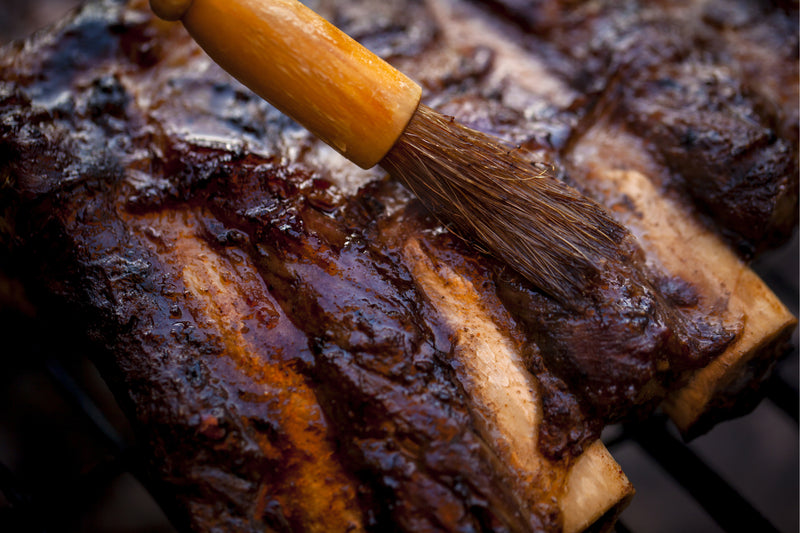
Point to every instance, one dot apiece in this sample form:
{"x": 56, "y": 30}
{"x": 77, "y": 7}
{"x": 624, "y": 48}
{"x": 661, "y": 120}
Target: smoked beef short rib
{"x": 300, "y": 346}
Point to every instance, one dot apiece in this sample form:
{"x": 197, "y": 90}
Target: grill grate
{"x": 723, "y": 503}
{"x": 72, "y": 499}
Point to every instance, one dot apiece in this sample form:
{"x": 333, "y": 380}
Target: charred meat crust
{"x": 143, "y": 180}
{"x": 699, "y": 83}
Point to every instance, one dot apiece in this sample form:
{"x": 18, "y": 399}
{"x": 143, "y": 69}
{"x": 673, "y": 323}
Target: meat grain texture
{"x": 260, "y": 303}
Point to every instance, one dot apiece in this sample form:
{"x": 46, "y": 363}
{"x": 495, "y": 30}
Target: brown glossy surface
{"x": 712, "y": 87}
{"x": 261, "y": 317}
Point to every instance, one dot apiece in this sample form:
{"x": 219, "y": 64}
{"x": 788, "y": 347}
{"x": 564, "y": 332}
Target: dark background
{"x": 65, "y": 466}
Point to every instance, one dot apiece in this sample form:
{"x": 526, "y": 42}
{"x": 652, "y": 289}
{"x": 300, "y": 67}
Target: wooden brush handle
{"x": 307, "y": 68}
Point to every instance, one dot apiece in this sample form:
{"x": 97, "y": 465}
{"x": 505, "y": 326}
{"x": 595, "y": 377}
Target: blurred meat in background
{"x": 22, "y": 18}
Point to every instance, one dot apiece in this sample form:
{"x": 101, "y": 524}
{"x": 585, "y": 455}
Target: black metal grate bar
{"x": 85, "y": 405}
{"x": 12, "y": 487}
{"x": 722, "y": 502}
{"x": 783, "y": 395}
{"x": 26, "y": 506}
{"x": 21, "y": 515}
{"x": 620, "y": 527}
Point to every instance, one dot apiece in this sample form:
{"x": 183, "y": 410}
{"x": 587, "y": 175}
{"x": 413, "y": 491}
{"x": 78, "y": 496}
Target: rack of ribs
{"x": 301, "y": 346}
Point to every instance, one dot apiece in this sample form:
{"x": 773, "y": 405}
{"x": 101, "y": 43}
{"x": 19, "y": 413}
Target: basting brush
{"x": 371, "y": 113}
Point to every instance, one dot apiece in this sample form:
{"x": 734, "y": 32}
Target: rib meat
{"x": 712, "y": 88}
{"x": 299, "y": 344}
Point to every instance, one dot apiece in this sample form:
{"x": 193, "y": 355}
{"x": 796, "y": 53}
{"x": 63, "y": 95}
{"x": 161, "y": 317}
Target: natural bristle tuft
{"x": 547, "y": 231}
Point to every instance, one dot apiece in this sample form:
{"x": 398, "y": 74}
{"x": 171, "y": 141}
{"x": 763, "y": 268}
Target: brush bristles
{"x": 547, "y": 231}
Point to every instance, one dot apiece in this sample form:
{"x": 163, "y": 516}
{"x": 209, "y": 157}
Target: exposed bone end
{"x": 596, "y": 491}
{"x": 728, "y": 386}
{"x": 506, "y": 402}
{"x": 678, "y": 245}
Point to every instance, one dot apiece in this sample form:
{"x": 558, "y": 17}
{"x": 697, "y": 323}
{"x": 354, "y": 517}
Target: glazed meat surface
{"x": 261, "y": 303}
{"x": 710, "y": 86}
